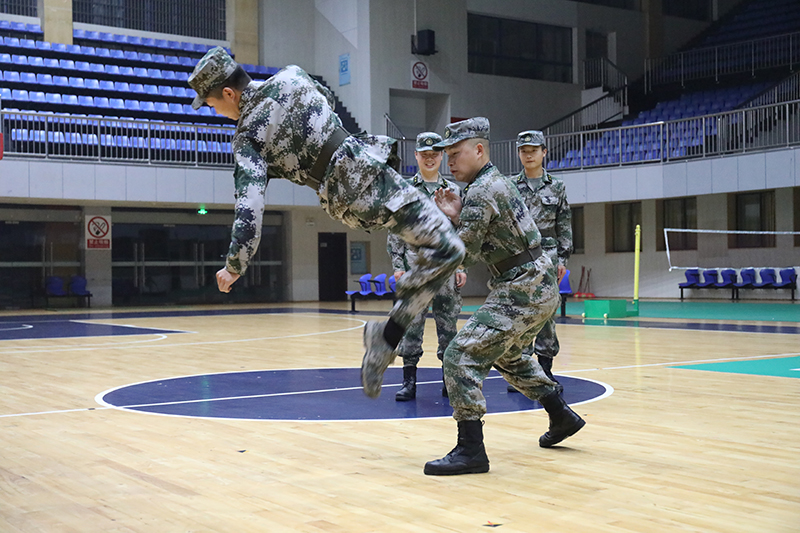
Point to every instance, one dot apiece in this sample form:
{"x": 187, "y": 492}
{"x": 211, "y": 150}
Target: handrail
{"x": 785, "y": 91}
{"x": 392, "y": 129}
{"x": 611, "y": 106}
{"x": 602, "y": 72}
{"x": 715, "y": 61}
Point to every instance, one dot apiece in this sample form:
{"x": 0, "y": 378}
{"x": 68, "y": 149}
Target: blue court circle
{"x": 323, "y": 394}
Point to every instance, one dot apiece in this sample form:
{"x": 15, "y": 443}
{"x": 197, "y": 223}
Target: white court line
{"x": 85, "y": 347}
{"x": 13, "y": 350}
{"x": 24, "y": 326}
{"x": 105, "y": 405}
{"x": 169, "y": 330}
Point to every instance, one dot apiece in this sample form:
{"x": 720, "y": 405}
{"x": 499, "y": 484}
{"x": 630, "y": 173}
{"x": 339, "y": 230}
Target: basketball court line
{"x": 676, "y": 363}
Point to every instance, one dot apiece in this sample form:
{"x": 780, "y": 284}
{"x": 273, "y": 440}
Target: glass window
{"x": 26, "y": 8}
{"x": 577, "y": 230}
{"x": 624, "y": 219}
{"x": 755, "y": 211}
{"x": 689, "y": 9}
{"x": 678, "y": 213}
{"x": 519, "y": 49}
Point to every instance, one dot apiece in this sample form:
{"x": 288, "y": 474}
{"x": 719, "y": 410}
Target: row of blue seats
{"x": 85, "y": 66}
{"x": 119, "y": 141}
{"x": 145, "y": 42}
{"x": 729, "y": 279}
{"x": 101, "y": 102}
{"x": 108, "y": 53}
{"x": 12, "y": 76}
{"x": 21, "y": 27}
{"x": 381, "y": 286}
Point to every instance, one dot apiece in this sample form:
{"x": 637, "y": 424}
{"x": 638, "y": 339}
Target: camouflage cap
{"x": 426, "y": 140}
{"x": 530, "y": 138}
{"x": 472, "y": 128}
{"x": 210, "y": 72}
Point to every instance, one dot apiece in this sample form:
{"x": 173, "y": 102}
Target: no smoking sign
{"x": 419, "y": 75}
{"x": 98, "y": 232}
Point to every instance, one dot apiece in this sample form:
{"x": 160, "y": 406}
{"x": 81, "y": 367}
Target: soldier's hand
{"x": 461, "y": 279}
{"x": 449, "y": 202}
{"x": 560, "y": 271}
{"x": 398, "y": 274}
{"x": 225, "y": 279}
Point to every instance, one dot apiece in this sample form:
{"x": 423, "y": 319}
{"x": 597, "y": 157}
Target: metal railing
{"x": 26, "y": 8}
{"x": 601, "y": 72}
{"x": 785, "y": 91}
{"x": 54, "y": 136}
{"x": 743, "y": 130}
{"x": 612, "y": 106}
{"x": 713, "y": 62}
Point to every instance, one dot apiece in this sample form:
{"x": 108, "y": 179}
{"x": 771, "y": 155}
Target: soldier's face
{"x": 227, "y": 106}
{"x": 429, "y": 160}
{"x": 465, "y": 159}
{"x": 532, "y": 157}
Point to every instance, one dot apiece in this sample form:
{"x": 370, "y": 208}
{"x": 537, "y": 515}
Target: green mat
{"x": 766, "y": 312}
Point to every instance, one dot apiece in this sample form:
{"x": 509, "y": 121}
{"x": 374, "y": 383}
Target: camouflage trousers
{"x": 389, "y": 201}
{"x": 546, "y": 343}
{"x": 519, "y": 303}
{"x": 446, "y": 308}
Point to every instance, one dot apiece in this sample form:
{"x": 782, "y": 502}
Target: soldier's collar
{"x": 485, "y": 170}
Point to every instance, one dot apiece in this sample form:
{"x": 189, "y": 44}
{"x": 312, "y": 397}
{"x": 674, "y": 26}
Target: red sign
{"x": 419, "y": 75}
{"x": 98, "y": 233}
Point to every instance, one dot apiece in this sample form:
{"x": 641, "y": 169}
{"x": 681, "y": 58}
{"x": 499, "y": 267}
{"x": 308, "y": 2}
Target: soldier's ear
{"x": 229, "y": 94}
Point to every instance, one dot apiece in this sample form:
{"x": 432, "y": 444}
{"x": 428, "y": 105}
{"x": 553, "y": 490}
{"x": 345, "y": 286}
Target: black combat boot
{"x": 409, "y": 390}
{"x": 564, "y": 422}
{"x": 444, "y": 386}
{"x": 468, "y": 457}
{"x": 547, "y": 365}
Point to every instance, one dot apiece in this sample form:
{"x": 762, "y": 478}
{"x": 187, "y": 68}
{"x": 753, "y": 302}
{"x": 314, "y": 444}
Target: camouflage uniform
{"x": 446, "y": 303}
{"x": 495, "y": 225}
{"x": 283, "y": 125}
{"x": 548, "y": 205}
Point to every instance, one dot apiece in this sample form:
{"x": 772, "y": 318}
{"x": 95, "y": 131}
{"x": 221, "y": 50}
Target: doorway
{"x": 332, "y": 266}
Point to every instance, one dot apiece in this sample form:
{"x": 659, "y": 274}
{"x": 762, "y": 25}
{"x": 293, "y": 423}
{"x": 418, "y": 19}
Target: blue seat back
{"x": 693, "y": 275}
{"x": 563, "y": 286}
{"x": 364, "y": 282}
{"x": 54, "y": 286}
{"x": 710, "y": 275}
{"x": 392, "y": 283}
{"x": 728, "y": 276}
{"x": 767, "y": 276}
{"x": 788, "y": 276}
{"x": 77, "y": 285}
{"x": 748, "y": 275}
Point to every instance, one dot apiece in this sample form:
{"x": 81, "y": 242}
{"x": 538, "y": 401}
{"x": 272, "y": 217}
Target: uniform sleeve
{"x": 564, "y": 229}
{"x": 476, "y": 214}
{"x": 250, "y": 181}
{"x": 397, "y": 252}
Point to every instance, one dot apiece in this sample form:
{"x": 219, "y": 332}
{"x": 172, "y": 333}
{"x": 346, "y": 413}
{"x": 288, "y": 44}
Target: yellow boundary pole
{"x": 637, "y": 251}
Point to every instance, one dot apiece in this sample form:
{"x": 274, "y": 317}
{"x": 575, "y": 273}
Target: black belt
{"x": 531, "y": 254}
{"x": 317, "y": 171}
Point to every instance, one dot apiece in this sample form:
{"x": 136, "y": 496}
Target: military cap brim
{"x": 198, "y": 102}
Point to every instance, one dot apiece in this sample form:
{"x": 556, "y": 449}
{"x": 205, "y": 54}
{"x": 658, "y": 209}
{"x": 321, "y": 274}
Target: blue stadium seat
{"x": 104, "y": 53}
{"x": 27, "y": 43}
{"x": 168, "y": 75}
{"x": 61, "y": 81}
{"x": 116, "y": 103}
{"x": 67, "y": 64}
{"x": 5, "y": 24}
{"x": 162, "y": 107}
{"x": 20, "y": 95}
{"x": 147, "y": 106}
{"x": 182, "y": 76}
{"x": 11, "y": 41}
{"x": 173, "y": 60}
{"x": 106, "y": 85}
{"x": 101, "y": 101}
{"x": 97, "y": 68}
{"x": 140, "y": 72}
{"x": 92, "y": 83}
{"x": 179, "y": 92}
{"x": 154, "y": 73}
{"x": 119, "y": 39}
{"x": 19, "y": 59}
{"x": 176, "y": 108}
{"x": 78, "y": 83}
{"x": 767, "y": 278}
{"x": 137, "y": 88}
{"x": 131, "y": 56}
{"x": 92, "y": 36}
{"x": 5, "y": 58}
{"x": 111, "y": 69}
{"x": 5, "y": 93}
{"x": 86, "y": 101}
{"x": 188, "y": 109}
{"x": 43, "y": 45}
{"x": 79, "y": 34}
{"x": 146, "y": 41}
{"x": 83, "y": 65}
{"x": 122, "y": 86}
{"x": 33, "y": 28}
{"x": 105, "y": 36}
{"x": 173, "y": 45}
{"x": 150, "y": 89}
{"x": 134, "y": 41}
{"x": 143, "y": 56}
{"x": 160, "y": 43}
{"x": 11, "y": 76}
{"x": 132, "y": 105}
{"x": 53, "y": 98}
{"x": 165, "y": 90}
{"x": 159, "y": 58}
{"x": 126, "y": 71}
{"x": 37, "y": 96}
{"x": 186, "y": 61}
{"x": 70, "y": 99}
{"x": 117, "y": 54}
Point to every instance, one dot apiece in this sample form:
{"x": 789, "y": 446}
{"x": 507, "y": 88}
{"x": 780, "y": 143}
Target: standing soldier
{"x": 286, "y": 128}
{"x": 447, "y": 302}
{"x": 496, "y": 228}
{"x": 546, "y": 198}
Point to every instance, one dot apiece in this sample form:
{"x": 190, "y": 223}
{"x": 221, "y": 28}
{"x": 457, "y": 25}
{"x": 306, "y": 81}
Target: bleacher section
{"x": 120, "y": 94}
{"x": 757, "y": 19}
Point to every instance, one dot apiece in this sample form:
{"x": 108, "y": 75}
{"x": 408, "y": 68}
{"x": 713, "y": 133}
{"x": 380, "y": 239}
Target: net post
{"x": 636, "y": 254}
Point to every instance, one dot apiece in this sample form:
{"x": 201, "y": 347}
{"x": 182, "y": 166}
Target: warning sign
{"x": 419, "y": 75}
{"x": 98, "y": 232}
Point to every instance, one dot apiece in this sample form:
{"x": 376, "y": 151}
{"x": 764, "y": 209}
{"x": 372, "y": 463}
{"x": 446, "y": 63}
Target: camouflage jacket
{"x": 283, "y": 125}
{"x": 401, "y": 254}
{"x": 494, "y": 223}
{"x": 551, "y": 212}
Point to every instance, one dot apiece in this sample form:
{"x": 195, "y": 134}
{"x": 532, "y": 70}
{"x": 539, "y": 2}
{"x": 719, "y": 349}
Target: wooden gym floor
{"x": 676, "y": 446}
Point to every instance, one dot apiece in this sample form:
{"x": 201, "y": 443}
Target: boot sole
{"x": 372, "y": 371}
{"x": 574, "y": 429}
{"x": 482, "y": 469}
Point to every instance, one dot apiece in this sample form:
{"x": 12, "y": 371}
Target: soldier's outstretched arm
{"x": 250, "y": 181}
